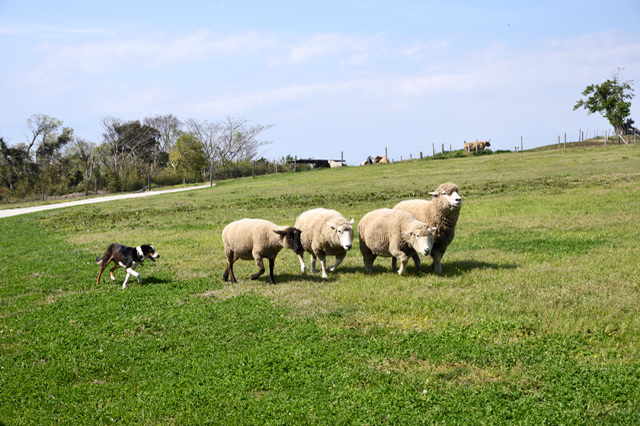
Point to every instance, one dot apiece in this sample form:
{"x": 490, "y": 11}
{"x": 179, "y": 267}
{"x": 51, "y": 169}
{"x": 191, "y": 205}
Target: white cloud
{"x": 102, "y": 57}
{"x": 355, "y": 49}
{"x": 428, "y": 46}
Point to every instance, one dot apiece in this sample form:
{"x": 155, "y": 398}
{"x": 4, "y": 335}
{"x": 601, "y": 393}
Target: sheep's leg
{"x": 229, "y": 271}
{"x": 260, "y": 266}
{"x": 437, "y": 262}
{"x": 339, "y": 260}
{"x": 303, "y": 268}
{"x": 367, "y": 257}
{"x": 416, "y": 260}
{"x": 272, "y": 263}
{"x": 403, "y": 258}
{"x": 323, "y": 264}
{"x": 403, "y": 264}
{"x": 415, "y": 257}
{"x": 313, "y": 264}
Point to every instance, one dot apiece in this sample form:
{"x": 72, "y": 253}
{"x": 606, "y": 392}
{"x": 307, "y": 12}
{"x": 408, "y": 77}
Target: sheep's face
{"x": 421, "y": 239}
{"x": 291, "y": 239}
{"x": 344, "y": 233}
{"x": 447, "y": 195}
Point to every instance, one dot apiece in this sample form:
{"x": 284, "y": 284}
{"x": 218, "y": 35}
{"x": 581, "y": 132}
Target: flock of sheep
{"x": 412, "y": 228}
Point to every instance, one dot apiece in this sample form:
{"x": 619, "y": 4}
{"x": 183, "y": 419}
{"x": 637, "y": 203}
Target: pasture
{"x": 535, "y": 319}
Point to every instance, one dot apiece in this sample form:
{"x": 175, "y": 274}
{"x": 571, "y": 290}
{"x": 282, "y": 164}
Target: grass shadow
{"x": 461, "y": 267}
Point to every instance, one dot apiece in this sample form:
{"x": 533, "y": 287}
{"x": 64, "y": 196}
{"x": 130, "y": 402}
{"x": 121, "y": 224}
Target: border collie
{"x": 125, "y": 257}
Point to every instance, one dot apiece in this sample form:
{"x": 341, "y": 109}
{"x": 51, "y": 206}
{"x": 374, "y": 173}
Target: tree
{"x": 188, "y": 158}
{"x": 169, "y": 128}
{"x": 231, "y": 140}
{"x": 12, "y": 163}
{"x": 612, "y": 100}
{"x": 130, "y": 145}
{"x": 40, "y": 127}
{"x": 84, "y": 155}
{"x": 49, "y": 156}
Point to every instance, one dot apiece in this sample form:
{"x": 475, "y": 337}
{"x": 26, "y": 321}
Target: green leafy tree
{"x": 188, "y": 157}
{"x": 611, "y": 99}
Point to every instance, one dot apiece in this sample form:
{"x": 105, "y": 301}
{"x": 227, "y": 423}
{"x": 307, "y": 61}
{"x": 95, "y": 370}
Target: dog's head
{"x": 149, "y": 252}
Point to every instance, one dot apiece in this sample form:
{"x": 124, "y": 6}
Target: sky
{"x": 334, "y": 78}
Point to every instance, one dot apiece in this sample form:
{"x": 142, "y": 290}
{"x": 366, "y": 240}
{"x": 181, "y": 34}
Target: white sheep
{"x": 257, "y": 239}
{"x": 442, "y": 212}
{"x": 393, "y": 233}
{"x": 324, "y": 232}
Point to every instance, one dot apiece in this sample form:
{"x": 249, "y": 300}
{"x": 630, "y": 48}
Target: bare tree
{"x": 129, "y": 143}
{"x": 208, "y": 133}
{"x": 238, "y": 140}
{"x": 230, "y": 140}
{"x": 40, "y": 127}
{"x": 169, "y": 128}
{"x": 87, "y": 156}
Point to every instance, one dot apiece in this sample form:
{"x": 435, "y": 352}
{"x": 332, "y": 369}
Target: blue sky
{"x": 332, "y": 76}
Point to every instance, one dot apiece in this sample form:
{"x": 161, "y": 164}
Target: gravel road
{"x": 25, "y": 210}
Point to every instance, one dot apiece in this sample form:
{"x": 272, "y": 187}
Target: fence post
{"x": 96, "y": 185}
{"x": 433, "y": 148}
{"x": 295, "y": 163}
{"x": 521, "y": 144}
{"x": 253, "y": 169}
{"x": 634, "y": 139}
{"x": 565, "y": 140}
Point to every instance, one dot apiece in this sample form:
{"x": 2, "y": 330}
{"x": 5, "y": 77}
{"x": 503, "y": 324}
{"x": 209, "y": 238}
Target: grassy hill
{"x": 535, "y": 319}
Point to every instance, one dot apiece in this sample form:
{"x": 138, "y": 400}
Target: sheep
{"x": 324, "y": 232}
{"x": 477, "y": 145}
{"x": 256, "y": 239}
{"x": 442, "y": 212}
{"x": 393, "y": 233}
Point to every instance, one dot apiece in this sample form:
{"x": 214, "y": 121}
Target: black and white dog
{"x": 125, "y": 257}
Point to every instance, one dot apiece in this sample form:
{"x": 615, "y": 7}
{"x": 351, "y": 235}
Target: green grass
{"x": 535, "y": 319}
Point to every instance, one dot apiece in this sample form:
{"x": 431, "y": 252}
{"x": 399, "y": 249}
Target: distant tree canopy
{"x": 53, "y": 160}
{"x": 612, "y": 99}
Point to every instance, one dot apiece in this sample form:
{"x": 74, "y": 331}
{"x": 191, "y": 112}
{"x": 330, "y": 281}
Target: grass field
{"x": 534, "y": 321}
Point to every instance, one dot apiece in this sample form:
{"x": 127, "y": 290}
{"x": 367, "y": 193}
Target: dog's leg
{"x": 131, "y": 271}
{"x": 124, "y": 284}
{"x": 103, "y": 265}
{"x": 113, "y": 277}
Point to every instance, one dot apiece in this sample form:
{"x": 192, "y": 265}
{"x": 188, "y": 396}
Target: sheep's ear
{"x": 434, "y": 228}
{"x": 331, "y": 225}
{"x": 435, "y": 194}
{"x": 280, "y": 232}
{"x": 351, "y": 221}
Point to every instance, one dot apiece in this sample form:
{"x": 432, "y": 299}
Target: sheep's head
{"x": 447, "y": 195}
{"x": 291, "y": 239}
{"x": 344, "y": 233}
{"x": 421, "y": 237}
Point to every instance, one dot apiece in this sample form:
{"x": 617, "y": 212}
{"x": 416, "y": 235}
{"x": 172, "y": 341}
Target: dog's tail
{"x": 98, "y": 260}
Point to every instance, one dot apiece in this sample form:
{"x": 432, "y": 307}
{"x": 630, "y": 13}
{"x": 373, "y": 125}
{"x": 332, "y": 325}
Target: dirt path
{"x": 25, "y": 210}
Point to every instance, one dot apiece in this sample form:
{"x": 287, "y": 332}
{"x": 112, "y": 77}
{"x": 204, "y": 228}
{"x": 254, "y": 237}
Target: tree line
{"x": 129, "y": 155}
